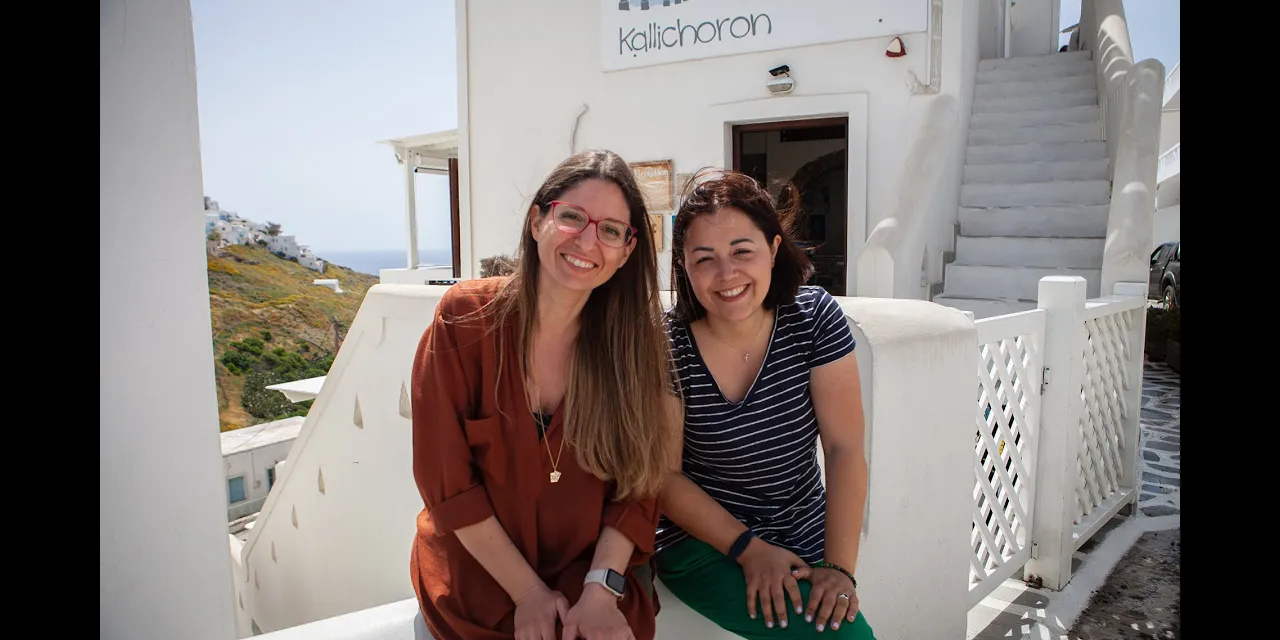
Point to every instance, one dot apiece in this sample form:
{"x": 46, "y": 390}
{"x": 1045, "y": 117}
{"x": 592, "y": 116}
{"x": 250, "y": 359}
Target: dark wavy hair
{"x": 711, "y": 190}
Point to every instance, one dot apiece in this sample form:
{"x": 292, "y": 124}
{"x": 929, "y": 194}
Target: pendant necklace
{"x": 745, "y": 354}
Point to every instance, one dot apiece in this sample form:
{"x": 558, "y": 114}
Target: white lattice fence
{"x": 1008, "y": 418}
{"x": 1100, "y": 492}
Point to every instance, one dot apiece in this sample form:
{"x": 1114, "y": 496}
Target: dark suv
{"x": 1166, "y": 265}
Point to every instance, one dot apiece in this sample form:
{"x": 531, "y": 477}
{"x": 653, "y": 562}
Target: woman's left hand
{"x": 596, "y": 617}
{"x": 825, "y": 601}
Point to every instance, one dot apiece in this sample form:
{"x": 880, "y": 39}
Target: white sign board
{"x": 641, "y": 33}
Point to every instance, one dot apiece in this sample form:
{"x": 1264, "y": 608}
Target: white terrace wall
{"x": 335, "y": 533}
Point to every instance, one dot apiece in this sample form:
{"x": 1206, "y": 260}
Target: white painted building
{"x": 250, "y": 456}
{"x": 237, "y": 231}
{"x": 331, "y": 541}
{"x": 1168, "y": 220}
{"x": 963, "y": 170}
{"x": 308, "y": 259}
{"x": 284, "y": 245}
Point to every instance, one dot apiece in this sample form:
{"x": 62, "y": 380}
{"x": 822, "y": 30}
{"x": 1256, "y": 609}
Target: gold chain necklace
{"x": 546, "y": 436}
{"x": 745, "y": 354}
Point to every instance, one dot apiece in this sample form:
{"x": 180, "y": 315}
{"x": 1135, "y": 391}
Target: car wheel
{"x": 1170, "y": 300}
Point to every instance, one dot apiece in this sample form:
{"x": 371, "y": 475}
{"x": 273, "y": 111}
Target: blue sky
{"x": 295, "y": 95}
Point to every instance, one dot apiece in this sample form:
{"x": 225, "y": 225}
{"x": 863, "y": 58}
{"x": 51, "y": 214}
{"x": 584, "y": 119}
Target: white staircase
{"x": 1036, "y": 189}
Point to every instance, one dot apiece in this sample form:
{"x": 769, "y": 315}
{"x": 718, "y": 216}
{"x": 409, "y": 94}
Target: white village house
{"x": 251, "y": 457}
{"x": 232, "y": 230}
{"x": 958, "y": 163}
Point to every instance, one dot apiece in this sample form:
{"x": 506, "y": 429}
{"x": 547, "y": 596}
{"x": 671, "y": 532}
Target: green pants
{"x": 714, "y": 586}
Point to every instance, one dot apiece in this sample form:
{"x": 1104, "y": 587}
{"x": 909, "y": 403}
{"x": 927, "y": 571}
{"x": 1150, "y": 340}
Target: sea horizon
{"x": 370, "y": 261}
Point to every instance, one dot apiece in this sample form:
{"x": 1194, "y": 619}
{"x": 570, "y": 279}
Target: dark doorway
{"x": 813, "y": 156}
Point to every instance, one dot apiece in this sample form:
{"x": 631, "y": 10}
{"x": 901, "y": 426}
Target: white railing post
{"x": 1130, "y": 465}
{"x": 1061, "y": 407}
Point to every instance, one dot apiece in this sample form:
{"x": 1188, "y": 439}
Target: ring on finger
{"x": 843, "y": 596}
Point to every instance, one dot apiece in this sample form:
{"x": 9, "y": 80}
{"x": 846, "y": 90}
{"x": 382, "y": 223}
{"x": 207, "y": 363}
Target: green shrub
{"x": 266, "y": 336}
{"x": 249, "y": 345}
{"x": 262, "y": 402}
{"x": 238, "y": 361}
{"x": 1164, "y": 324}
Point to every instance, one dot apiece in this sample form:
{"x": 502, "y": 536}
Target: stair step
{"x": 1034, "y": 87}
{"x": 997, "y": 120}
{"x": 1020, "y": 104}
{"x": 1019, "y": 172}
{"x": 1030, "y": 194}
{"x": 990, "y": 281}
{"x": 1056, "y": 58}
{"x": 1041, "y": 72}
{"x": 985, "y": 307}
{"x": 1070, "y": 132}
{"x": 1058, "y": 222}
{"x": 1035, "y": 152}
{"x": 1012, "y": 251}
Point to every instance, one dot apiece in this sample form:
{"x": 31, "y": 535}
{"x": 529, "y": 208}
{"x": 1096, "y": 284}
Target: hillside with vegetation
{"x": 272, "y": 324}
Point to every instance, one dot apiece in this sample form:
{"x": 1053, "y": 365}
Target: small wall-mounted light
{"x": 895, "y": 49}
{"x": 781, "y": 83}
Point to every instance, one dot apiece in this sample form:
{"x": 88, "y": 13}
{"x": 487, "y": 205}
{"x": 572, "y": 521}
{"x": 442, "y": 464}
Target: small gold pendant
{"x": 745, "y": 356}
{"x": 555, "y": 476}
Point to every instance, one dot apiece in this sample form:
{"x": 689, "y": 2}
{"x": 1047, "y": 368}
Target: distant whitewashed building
{"x": 309, "y": 260}
{"x": 250, "y": 457}
{"x": 286, "y": 246}
{"x": 233, "y": 230}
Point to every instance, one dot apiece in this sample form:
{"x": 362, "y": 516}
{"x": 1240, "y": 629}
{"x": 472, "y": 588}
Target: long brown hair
{"x": 620, "y": 375}
{"x": 711, "y": 190}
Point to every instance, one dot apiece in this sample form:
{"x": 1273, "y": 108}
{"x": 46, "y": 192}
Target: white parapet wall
{"x": 421, "y": 275}
{"x": 334, "y": 535}
{"x": 163, "y": 572}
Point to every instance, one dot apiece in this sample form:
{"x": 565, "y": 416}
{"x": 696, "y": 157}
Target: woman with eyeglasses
{"x": 543, "y": 424}
{"x": 750, "y": 537}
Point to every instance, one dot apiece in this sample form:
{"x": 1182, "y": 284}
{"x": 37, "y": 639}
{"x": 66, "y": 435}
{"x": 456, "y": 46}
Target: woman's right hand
{"x": 536, "y": 613}
{"x": 769, "y": 571}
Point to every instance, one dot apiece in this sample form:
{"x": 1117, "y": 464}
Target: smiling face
{"x": 729, "y": 263}
{"x": 579, "y": 261}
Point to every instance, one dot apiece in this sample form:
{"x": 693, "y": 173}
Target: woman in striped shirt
{"x": 765, "y": 365}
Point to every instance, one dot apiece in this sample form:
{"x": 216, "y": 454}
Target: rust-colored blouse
{"x": 476, "y": 453}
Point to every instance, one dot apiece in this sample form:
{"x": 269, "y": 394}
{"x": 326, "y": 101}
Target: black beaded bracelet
{"x": 828, "y": 565}
{"x": 740, "y": 544}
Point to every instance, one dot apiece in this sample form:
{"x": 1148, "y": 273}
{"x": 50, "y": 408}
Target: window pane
{"x": 271, "y": 478}
{"x": 235, "y": 489}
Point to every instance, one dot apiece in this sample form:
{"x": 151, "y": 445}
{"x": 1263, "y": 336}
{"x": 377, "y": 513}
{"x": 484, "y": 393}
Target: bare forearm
{"x": 846, "y": 501}
{"x": 687, "y": 505}
{"x": 490, "y": 545}
{"x": 613, "y": 550}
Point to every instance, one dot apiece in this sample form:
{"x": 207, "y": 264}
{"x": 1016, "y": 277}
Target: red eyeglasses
{"x": 573, "y": 219}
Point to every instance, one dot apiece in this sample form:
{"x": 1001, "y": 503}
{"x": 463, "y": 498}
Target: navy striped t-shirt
{"x": 758, "y": 458}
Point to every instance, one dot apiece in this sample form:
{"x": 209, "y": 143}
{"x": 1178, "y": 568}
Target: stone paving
{"x": 1161, "y": 440}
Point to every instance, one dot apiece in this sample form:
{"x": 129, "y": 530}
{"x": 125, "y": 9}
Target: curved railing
{"x": 889, "y": 265}
{"x": 1130, "y": 96}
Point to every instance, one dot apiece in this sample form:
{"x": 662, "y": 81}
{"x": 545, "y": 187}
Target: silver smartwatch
{"x": 609, "y": 579}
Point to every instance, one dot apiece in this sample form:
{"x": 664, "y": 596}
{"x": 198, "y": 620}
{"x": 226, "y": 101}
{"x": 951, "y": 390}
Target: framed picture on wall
{"x": 682, "y": 180}
{"x": 655, "y": 225}
{"x": 655, "y": 179}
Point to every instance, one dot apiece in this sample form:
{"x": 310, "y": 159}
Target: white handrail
{"x": 1169, "y": 164}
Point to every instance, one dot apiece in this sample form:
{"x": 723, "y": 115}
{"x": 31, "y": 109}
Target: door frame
{"x": 804, "y": 123}
{"x": 715, "y": 134}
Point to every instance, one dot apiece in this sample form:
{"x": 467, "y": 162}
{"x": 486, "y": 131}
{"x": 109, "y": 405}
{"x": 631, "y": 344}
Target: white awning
{"x": 300, "y": 390}
{"x": 430, "y": 151}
